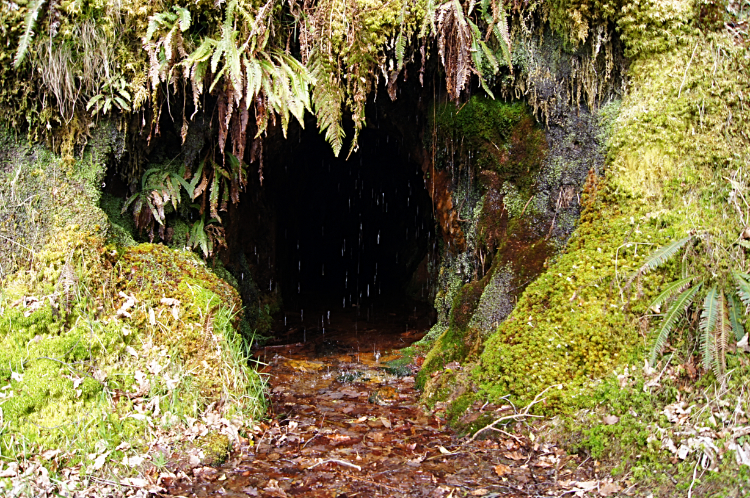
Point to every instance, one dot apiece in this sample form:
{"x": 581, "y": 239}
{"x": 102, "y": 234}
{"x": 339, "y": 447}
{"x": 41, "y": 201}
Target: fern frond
{"x": 743, "y": 286}
{"x": 721, "y": 341}
{"x": 674, "y": 313}
{"x": 328, "y": 98}
{"x": 670, "y": 290}
{"x": 501, "y": 32}
{"x": 736, "y": 312}
{"x": 663, "y": 254}
{"x": 710, "y": 313}
{"x": 401, "y": 39}
{"x": 213, "y": 199}
{"x": 184, "y": 18}
{"x": 428, "y": 20}
{"x": 709, "y": 333}
{"x": 707, "y": 350}
{"x": 35, "y": 8}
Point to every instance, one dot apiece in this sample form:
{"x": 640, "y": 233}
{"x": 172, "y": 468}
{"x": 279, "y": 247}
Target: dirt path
{"x": 343, "y": 426}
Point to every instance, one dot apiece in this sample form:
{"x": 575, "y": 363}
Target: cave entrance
{"x": 353, "y": 238}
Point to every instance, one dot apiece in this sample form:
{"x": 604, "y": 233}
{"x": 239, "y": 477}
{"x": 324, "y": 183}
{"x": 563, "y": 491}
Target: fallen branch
{"x": 336, "y": 460}
{"x": 524, "y": 414}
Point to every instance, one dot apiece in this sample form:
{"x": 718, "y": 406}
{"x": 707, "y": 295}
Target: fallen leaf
{"x": 50, "y": 454}
{"x": 514, "y": 455}
{"x": 16, "y": 376}
{"x": 742, "y": 344}
{"x": 501, "y": 469}
{"x": 11, "y": 471}
{"x": 100, "y": 375}
{"x": 608, "y": 489}
{"x": 444, "y": 451}
{"x": 100, "y": 460}
{"x": 610, "y": 420}
{"x": 135, "y": 482}
{"x": 480, "y": 492}
{"x": 386, "y": 422}
{"x": 133, "y": 461}
{"x": 154, "y": 367}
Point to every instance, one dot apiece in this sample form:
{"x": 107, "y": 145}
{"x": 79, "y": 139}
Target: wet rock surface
{"x": 344, "y": 425}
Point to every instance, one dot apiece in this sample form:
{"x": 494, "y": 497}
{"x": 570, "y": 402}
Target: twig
{"x": 684, "y": 76}
{"x": 695, "y": 470}
{"x": 18, "y": 244}
{"x": 527, "y": 205}
{"x": 336, "y": 460}
{"x": 524, "y": 414}
{"x": 374, "y": 483}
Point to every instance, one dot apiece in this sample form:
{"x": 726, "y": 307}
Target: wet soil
{"x": 343, "y": 424}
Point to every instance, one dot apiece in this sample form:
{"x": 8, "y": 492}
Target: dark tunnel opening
{"x": 349, "y": 232}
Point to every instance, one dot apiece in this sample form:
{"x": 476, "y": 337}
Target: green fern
{"x": 743, "y": 286}
{"x": 671, "y": 317}
{"x": 34, "y": 9}
{"x": 669, "y": 291}
{"x": 328, "y": 99}
{"x": 663, "y": 254}
{"x": 736, "y": 312}
{"x": 712, "y": 327}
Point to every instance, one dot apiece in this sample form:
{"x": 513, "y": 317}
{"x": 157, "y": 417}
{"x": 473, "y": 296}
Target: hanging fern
{"x": 34, "y": 9}
{"x": 328, "y": 99}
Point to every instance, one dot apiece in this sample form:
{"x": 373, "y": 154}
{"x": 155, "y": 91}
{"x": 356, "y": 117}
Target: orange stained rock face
{"x": 438, "y": 183}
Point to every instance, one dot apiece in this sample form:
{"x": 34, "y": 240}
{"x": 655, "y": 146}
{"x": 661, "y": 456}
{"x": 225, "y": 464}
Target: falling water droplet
{"x": 323, "y": 270}
{"x": 270, "y": 285}
{"x": 242, "y": 277}
{"x": 302, "y": 315}
{"x": 368, "y": 291}
{"x": 378, "y": 237}
{"x": 344, "y": 303}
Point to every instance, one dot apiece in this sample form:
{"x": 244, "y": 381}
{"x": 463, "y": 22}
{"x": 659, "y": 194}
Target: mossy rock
{"x": 215, "y": 448}
{"x": 494, "y": 135}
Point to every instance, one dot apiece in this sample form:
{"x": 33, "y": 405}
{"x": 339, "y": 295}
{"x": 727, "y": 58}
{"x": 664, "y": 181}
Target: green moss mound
{"x": 102, "y": 346}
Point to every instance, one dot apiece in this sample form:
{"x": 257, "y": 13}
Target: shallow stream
{"x": 343, "y": 424}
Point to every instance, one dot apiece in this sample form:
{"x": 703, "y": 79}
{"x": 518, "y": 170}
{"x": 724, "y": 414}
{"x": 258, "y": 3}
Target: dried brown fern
{"x": 454, "y": 46}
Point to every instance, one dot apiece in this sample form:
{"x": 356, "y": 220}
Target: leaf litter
{"x": 341, "y": 426}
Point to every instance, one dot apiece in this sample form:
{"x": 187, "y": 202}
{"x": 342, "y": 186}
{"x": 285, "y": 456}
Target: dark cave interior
{"x": 352, "y": 229}
{"x": 324, "y": 232}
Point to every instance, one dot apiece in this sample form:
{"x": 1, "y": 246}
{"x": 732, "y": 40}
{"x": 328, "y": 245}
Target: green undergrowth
{"x": 660, "y": 430}
{"x": 105, "y": 348}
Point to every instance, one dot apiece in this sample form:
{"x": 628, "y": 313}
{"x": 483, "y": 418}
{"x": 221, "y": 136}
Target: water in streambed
{"x": 341, "y": 425}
